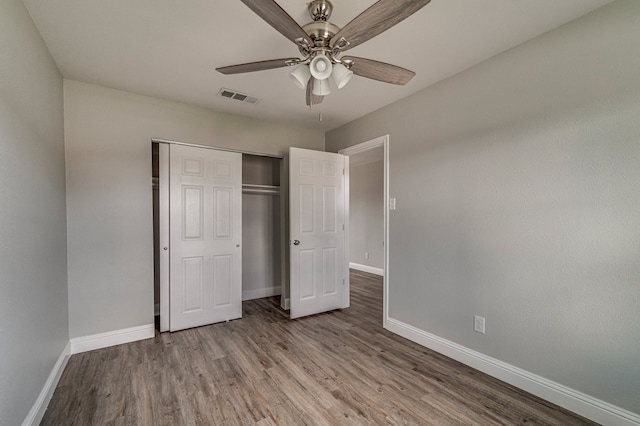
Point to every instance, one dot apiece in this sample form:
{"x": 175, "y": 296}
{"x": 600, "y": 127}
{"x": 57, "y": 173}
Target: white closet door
{"x": 317, "y": 217}
{"x": 205, "y": 236}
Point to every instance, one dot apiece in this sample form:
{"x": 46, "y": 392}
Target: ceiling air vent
{"x": 232, "y": 94}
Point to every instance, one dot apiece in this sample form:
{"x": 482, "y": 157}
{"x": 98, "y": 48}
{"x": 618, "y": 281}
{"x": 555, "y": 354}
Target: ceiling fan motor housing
{"x": 321, "y": 32}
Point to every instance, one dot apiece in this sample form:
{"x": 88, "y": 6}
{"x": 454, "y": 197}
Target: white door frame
{"x": 355, "y": 149}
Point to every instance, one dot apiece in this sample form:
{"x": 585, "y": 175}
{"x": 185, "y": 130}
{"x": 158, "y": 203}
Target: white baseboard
{"x": 34, "y": 417}
{"x": 75, "y": 346}
{"x": 111, "y": 338}
{"x": 287, "y": 304}
{"x": 260, "y": 293}
{"x": 365, "y": 268}
{"x": 573, "y": 400}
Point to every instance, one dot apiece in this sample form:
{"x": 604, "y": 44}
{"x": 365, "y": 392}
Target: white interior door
{"x": 205, "y": 236}
{"x": 317, "y": 217}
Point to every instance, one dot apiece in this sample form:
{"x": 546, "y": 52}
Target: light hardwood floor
{"x": 339, "y": 368}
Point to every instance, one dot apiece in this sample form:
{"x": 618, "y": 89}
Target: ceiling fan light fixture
{"x": 321, "y": 87}
{"x": 320, "y": 67}
{"x": 341, "y": 75}
{"x": 301, "y": 75}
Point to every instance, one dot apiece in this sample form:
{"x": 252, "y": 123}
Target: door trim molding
{"x": 354, "y": 149}
{"x": 346, "y": 281}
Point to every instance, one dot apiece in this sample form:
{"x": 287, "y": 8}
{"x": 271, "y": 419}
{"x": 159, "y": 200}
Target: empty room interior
{"x": 426, "y": 212}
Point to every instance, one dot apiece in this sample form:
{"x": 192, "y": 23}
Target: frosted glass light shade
{"x": 301, "y": 75}
{"x": 341, "y": 75}
{"x": 320, "y": 67}
{"x": 321, "y": 87}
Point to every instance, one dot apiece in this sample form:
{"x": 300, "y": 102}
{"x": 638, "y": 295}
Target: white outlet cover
{"x": 478, "y": 324}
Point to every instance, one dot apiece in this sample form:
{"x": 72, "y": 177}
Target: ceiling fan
{"x": 322, "y": 43}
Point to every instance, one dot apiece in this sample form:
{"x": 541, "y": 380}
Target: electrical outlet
{"x": 366, "y": 254}
{"x": 392, "y": 203}
{"x": 478, "y": 324}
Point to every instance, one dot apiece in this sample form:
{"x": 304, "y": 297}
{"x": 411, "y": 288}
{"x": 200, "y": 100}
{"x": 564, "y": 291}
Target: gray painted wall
{"x": 366, "y": 214}
{"x": 33, "y": 264}
{"x": 517, "y": 185}
{"x": 109, "y": 199}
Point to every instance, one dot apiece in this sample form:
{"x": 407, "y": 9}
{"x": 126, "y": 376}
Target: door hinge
{"x": 343, "y": 226}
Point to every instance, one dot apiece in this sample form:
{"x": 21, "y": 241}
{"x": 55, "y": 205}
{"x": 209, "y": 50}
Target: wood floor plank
{"x": 338, "y": 368}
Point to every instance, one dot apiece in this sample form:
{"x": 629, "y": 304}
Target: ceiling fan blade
{"x": 311, "y": 98}
{"x": 274, "y": 15}
{"x": 381, "y": 16}
{"x": 379, "y": 70}
{"x": 258, "y": 66}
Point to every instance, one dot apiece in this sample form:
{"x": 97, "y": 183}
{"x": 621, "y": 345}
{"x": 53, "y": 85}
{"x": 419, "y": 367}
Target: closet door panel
{"x": 317, "y": 218}
{"x": 205, "y": 198}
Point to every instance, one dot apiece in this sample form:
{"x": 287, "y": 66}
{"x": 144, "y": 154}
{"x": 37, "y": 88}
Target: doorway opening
{"x": 368, "y": 211}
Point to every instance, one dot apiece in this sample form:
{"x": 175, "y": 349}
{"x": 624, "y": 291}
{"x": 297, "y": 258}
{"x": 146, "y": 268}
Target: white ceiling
{"x": 170, "y": 48}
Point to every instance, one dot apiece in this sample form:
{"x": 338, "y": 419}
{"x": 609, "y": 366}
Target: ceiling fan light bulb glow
{"x": 321, "y": 87}
{"x": 341, "y": 75}
{"x": 301, "y": 75}
{"x": 320, "y": 67}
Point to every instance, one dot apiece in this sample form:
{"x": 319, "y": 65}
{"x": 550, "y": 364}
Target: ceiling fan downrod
{"x": 320, "y": 10}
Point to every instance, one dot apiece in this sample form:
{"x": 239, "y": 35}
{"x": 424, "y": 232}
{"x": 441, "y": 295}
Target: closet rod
{"x": 248, "y": 188}
{"x": 260, "y": 191}
{"x": 256, "y": 186}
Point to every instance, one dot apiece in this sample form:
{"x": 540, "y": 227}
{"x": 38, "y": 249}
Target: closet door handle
{"x": 296, "y": 242}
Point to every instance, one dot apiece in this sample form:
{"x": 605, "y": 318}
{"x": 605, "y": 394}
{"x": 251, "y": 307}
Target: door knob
{"x": 296, "y": 242}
